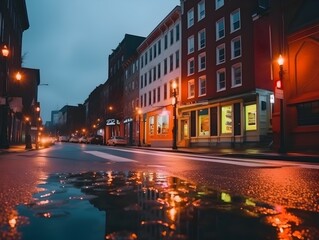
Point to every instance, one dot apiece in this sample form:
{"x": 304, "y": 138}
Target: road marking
{"x": 110, "y": 157}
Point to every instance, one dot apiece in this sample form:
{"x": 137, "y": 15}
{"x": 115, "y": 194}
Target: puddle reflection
{"x": 141, "y": 205}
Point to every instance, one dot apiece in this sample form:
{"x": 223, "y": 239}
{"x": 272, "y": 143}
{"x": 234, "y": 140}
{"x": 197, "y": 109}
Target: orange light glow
{"x": 280, "y": 60}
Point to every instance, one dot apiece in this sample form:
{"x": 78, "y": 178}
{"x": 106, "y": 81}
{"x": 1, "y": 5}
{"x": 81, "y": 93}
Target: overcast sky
{"x": 70, "y": 41}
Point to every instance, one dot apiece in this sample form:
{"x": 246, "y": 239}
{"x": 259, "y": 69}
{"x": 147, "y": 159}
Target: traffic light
{"x": 279, "y": 84}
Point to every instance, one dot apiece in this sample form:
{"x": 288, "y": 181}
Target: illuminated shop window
{"x": 151, "y": 125}
{"x": 203, "y": 122}
{"x": 162, "y": 123}
{"x": 251, "y": 117}
{"x": 227, "y": 119}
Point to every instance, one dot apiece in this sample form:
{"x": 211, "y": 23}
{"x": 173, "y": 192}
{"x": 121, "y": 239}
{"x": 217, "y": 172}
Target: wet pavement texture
{"x": 149, "y": 205}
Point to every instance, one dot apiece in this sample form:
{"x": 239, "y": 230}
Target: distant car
{"x": 63, "y": 138}
{"x": 46, "y": 141}
{"x": 83, "y": 139}
{"x": 96, "y": 139}
{"x": 116, "y": 140}
{"x": 74, "y": 139}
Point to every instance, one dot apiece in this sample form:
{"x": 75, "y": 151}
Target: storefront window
{"x": 227, "y": 119}
{"x": 151, "y": 125}
{"x": 162, "y": 123}
{"x": 251, "y": 117}
{"x": 203, "y": 122}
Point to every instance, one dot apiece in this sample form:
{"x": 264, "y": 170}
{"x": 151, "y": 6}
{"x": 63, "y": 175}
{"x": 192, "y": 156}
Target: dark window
{"x": 165, "y": 66}
{"x": 165, "y": 41}
{"x": 177, "y": 32}
{"x": 142, "y": 81}
{"x": 177, "y": 59}
{"x": 154, "y": 73}
{"x": 213, "y": 121}
{"x": 159, "y": 94}
{"x": 308, "y": 113}
{"x": 165, "y": 91}
{"x": 171, "y": 63}
{"x": 159, "y": 70}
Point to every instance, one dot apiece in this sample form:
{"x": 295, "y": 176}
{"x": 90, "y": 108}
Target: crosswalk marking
{"x": 203, "y": 158}
{"x": 110, "y": 157}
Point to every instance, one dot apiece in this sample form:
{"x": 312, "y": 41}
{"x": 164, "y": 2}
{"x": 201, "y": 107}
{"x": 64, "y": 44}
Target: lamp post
{"x": 28, "y": 143}
{"x": 279, "y": 87}
{"x": 174, "y": 86}
{"x": 139, "y": 126}
{"x": 4, "y": 126}
{"x": 38, "y": 119}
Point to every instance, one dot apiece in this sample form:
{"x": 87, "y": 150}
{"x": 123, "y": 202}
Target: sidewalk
{"x": 239, "y": 152}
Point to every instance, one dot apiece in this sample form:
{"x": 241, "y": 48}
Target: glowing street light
{"x": 279, "y": 87}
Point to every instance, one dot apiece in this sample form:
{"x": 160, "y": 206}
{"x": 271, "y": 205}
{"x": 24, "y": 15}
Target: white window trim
{"x": 199, "y": 85}
{"x": 233, "y": 75}
{"x": 199, "y": 39}
{"x": 217, "y": 28}
{"x": 203, "y": 54}
{"x": 221, "y": 46}
{"x": 191, "y": 39}
{"x": 199, "y": 18}
{"x": 218, "y": 80}
{"x": 189, "y": 83}
{"x": 233, "y": 49}
{"x": 232, "y": 21}
{"x": 188, "y": 66}
{"x": 189, "y": 24}
{"x": 219, "y": 4}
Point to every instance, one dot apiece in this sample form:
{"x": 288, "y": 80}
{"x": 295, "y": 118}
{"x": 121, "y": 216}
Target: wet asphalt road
{"x": 289, "y": 184}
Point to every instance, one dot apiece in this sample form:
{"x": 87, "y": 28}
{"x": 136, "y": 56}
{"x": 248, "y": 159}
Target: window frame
{"x": 233, "y": 49}
{"x": 219, "y": 4}
{"x": 200, "y": 63}
{"x": 201, "y": 11}
{"x": 218, "y": 80}
{"x": 191, "y": 89}
{"x": 233, "y": 16}
{"x": 200, "y": 87}
{"x": 190, "y": 17}
{"x": 190, "y": 44}
{"x": 234, "y": 77}
{"x": 202, "y": 39}
{"x": 219, "y": 29}
{"x": 190, "y": 69}
{"x": 218, "y": 55}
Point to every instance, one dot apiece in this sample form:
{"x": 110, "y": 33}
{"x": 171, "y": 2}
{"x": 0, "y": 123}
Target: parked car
{"x": 96, "y": 139}
{"x": 74, "y": 139}
{"x": 63, "y": 139}
{"x": 116, "y": 140}
{"x": 46, "y": 141}
{"x": 83, "y": 139}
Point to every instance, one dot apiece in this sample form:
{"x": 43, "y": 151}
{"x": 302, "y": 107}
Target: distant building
{"x": 160, "y": 58}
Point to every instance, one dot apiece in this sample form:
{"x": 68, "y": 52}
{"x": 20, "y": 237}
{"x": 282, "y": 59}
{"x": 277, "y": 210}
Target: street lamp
{"x": 279, "y": 89}
{"x": 174, "y": 86}
{"x": 139, "y": 126}
{"x": 38, "y": 119}
{"x": 4, "y": 126}
{"x": 28, "y": 143}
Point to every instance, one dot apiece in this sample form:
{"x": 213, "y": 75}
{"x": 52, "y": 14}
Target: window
{"x": 151, "y": 54}
{"x": 251, "y": 117}
{"x": 171, "y": 33}
{"x": 141, "y": 101}
{"x": 219, "y": 4}
{"x": 202, "y": 85}
{"x": 220, "y": 54}
{"x": 308, "y": 113}
{"x": 150, "y": 76}
{"x": 191, "y": 88}
{"x": 235, "y": 20}
{"x": 159, "y": 47}
{"x": 236, "y": 48}
{"x": 165, "y": 91}
{"x": 203, "y": 122}
{"x": 177, "y": 32}
{"x": 154, "y": 95}
{"x": 171, "y": 62}
{"x": 177, "y": 59}
{"x": 158, "y": 94}
{"x": 145, "y": 58}
{"x": 165, "y": 41}
{"x": 190, "y": 18}
{"x": 190, "y": 66}
{"x": 227, "y": 119}
{"x": 149, "y": 98}
{"x": 201, "y": 10}
{"x": 201, "y": 39}
{"x": 162, "y": 123}
{"x": 144, "y": 99}
{"x": 165, "y": 66}
{"x": 190, "y": 44}
{"x": 236, "y": 75}
{"x": 221, "y": 80}
{"x": 142, "y": 61}
{"x": 201, "y": 62}
{"x": 151, "y": 125}
{"x": 154, "y": 50}
{"x": 142, "y": 81}
{"x": 159, "y": 70}
{"x": 145, "y": 79}
{"x": 220, "y": 28}
{"x": 154, "y": 73}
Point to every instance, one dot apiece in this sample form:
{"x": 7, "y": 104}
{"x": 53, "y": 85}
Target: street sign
{"x": 279, "y": 93}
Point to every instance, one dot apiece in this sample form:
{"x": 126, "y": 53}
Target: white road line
{"x": 110, "y": 157}
{"x": 226, "y": 160}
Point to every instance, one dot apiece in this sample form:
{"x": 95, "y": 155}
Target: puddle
{"x": 141, "y": 205}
